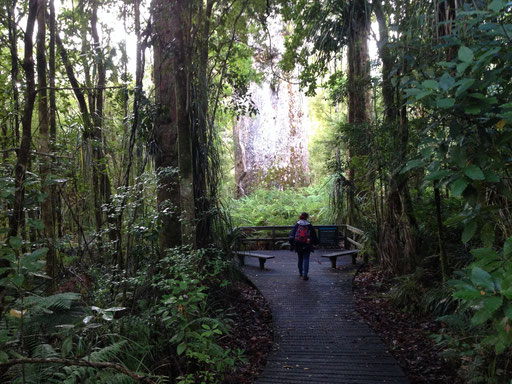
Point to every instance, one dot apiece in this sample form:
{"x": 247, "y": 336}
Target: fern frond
{"x": 110, "y": 352}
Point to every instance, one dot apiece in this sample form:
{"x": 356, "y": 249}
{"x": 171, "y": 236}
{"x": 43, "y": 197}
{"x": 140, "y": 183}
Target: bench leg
{"x": 241, "y": 258}
{"x": 262, "y": 263}
{"x": 333, "y": 262}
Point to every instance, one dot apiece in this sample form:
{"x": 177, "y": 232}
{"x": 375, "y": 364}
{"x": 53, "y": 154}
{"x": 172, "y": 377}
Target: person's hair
{"x": 304, "y": 216}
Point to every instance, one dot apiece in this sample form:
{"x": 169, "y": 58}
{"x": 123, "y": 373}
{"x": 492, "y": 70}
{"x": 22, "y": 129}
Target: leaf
{"x": 500, "y": 124}
{"x": 469, "y": 231}
{"x": 445, "y": 103}
{"x": 15, "y": 242}
{"x": 430, "y": 84}
{"x": 3, "y": 357}
{"x": 465, "y": 54}
{"x": 446, "y": 82}
{"x": 17, "y": 313}
{"x": 474, "y": 172}
{"x": 181, "y": 348}
{"x": 481, "y": 317}
{"x": 467, "y": 294}
{"x": 458, "y": 186}
{"x": 67, "y": 346}
{"x": 437, "y": 175}
{"x": 411, "y": 164}
{"x": 481, "y": 278}
{"x": 115, "y": 309}
{"x": 496, "y": 5}
{"x": 493, "y": 303}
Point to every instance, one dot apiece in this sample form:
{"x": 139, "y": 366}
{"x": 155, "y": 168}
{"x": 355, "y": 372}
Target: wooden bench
{"x": 260, "y": 256}
{"x": 344, "y": 252}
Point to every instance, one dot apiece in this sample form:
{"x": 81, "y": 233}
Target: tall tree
{"x": 165, "y": 21}
{"x": 47, "y": 204}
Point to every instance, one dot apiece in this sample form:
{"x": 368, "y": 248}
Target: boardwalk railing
{"x": 276, "y": 236}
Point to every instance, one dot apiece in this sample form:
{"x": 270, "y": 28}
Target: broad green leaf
{"x": 507, "y": 247}
{"x": 496, "y": 5}
{"x": 446, "y": 82}
{"x": 465, "y": 54}
{"x": 467, "y": 294}
{"x": 481, "y": 316}
{"x": 422, "y": 94}
{"x": 492, "y": 303}
{"x": 469, "y": 231}
{"x": 445, "y": 103}
{"x": 474, "y": 172}
{"x": 15, "y": 242}
{"x": 181, "y": 348}
{"x": 484, "y": 253}
{"x": 458, "y": 186}
{"x": 430, "y": 84}
{"x": 461, "y": 67}
{"x": 481, "y": 278}
{"x": 67, "y": 346}
{"x": 3, "y": 357}
{"x": 36, "y": 255}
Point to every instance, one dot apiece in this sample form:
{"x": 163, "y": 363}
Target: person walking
{"x": 302, "y": 239}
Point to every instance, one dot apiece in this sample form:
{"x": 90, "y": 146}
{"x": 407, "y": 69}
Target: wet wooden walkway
{"x": 319, "y": 337}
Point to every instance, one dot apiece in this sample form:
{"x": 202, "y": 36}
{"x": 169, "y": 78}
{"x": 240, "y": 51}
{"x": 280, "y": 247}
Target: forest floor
{"x": 252, "y": 331}
{"x": 406, "y": 335}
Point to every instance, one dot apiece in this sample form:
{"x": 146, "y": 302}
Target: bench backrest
{"x": 328, "y": 235}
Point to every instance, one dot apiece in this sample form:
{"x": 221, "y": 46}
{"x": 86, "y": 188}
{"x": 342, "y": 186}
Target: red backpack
{"x": 303, "y": 235}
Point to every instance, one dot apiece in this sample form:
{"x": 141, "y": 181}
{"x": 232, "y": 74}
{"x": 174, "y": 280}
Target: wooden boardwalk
{"x": 319, "y": 337}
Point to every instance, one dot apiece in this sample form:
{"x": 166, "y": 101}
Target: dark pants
{"x": 303, "y": 263}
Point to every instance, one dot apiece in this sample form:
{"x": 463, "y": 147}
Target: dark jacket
{"x": 299, "y": 246}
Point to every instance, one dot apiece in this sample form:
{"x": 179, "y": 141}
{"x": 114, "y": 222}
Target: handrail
{"x": 343, "y": 234}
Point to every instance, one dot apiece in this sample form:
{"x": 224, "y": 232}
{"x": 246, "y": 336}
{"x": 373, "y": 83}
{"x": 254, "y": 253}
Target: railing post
{"x": 273, "y": 238}
{"x": 346, "y": 243}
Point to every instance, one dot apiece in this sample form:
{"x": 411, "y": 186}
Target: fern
{"x": 110, "y": 352}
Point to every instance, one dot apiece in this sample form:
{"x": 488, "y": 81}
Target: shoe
{"x": 305, "y": 278}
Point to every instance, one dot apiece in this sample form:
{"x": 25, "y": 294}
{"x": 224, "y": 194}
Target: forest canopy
{"x": 118, "y": 209}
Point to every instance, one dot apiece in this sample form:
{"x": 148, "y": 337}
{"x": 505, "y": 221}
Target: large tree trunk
{"x": 17, "y": 216}
{"x": 44, "y": 146}
{"x": 166, "y": 26}
{"x": 358, "y": 85}
{"x": 11, "y": 20}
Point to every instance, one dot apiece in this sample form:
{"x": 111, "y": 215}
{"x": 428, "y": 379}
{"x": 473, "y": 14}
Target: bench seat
{"x": 260, "y": 256}
{"x": 334, "y": 255}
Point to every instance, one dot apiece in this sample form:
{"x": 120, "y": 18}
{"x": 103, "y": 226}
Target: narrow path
{"x": 319, "y": 337}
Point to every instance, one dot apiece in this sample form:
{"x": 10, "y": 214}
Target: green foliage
{"x": 275, "y": 207}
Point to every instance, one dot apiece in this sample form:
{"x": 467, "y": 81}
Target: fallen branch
{"x": 81, "y": 363}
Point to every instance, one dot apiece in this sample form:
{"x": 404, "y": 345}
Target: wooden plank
{"x": 341, "y": 253}
{"x": 358, "y": 245}
{"x": 354, "y": 229}
{"x": 253, "y": 254}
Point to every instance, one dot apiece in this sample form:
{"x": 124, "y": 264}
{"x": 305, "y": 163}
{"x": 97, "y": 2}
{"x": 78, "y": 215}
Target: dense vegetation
{"x": 116, "y": 209}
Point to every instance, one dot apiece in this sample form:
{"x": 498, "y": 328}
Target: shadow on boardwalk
{"x": 319, "y": 337}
